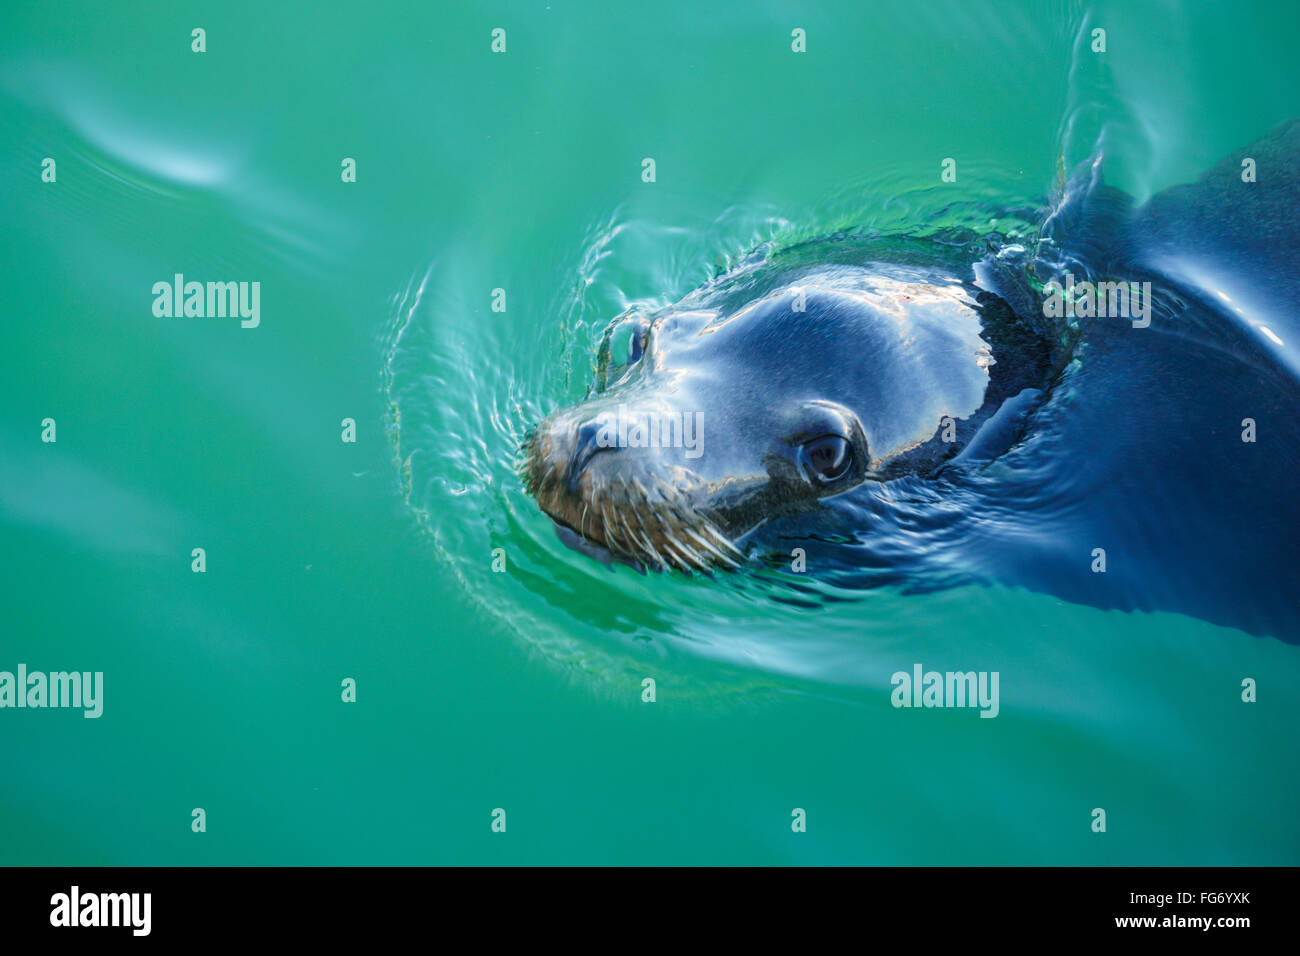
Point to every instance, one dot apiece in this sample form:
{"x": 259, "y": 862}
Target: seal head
{"x": 725, "y": 418}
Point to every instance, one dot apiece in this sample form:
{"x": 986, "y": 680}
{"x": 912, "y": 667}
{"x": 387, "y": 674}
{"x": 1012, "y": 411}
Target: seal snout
{"x": 638, "y": 505}
{"x": 587, "y": 445}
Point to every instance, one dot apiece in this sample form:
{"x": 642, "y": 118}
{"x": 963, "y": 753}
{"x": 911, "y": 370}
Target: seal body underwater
{"x": 759, "y": 407}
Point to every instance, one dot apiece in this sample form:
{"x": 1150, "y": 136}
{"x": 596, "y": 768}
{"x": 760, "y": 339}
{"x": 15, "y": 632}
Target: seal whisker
{"x": 645, "y": 540}
{"x": 628, "y": 534}
{"x": 682, "y": 562}
{"x": 721, "y": 540}
{"x": 608, "y": 530}
{"x": 710, "y": 548}
{"x": 666, "y": 491}
{"x": 692, "y": 558}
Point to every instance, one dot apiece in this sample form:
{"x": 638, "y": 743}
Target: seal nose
{"x": 586, "y": 448}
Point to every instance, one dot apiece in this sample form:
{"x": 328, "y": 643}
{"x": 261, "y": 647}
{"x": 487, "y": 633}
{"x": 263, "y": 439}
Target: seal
{"x": 736, "y": 407}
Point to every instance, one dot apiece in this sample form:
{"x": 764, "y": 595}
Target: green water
{"x": 372, "y": 560}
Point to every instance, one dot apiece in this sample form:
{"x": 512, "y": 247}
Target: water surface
{"x": 522, "y": 690}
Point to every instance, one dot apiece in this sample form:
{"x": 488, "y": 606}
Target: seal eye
{"x": 829, "y": 458}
